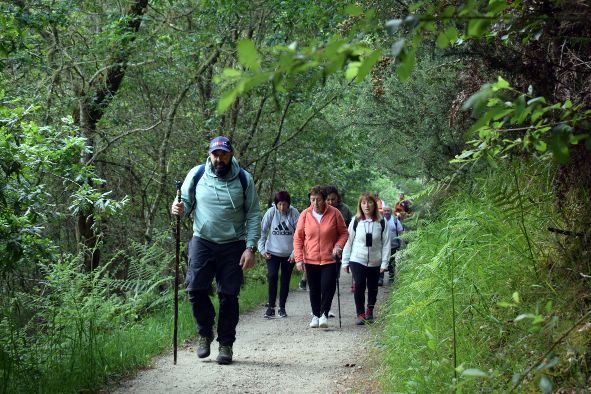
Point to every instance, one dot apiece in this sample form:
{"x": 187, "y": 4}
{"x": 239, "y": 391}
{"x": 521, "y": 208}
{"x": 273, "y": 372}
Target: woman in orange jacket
{"x": 320, "y": 236}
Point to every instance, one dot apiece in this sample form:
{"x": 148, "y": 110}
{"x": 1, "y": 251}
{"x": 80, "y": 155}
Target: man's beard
{"x": 221, "y": 170}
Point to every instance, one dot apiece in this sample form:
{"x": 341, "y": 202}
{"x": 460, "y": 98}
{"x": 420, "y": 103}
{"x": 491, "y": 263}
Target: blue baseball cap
{"x": 220, "y": 142}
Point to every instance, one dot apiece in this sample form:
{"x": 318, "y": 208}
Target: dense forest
{"x": 478, "y": 110}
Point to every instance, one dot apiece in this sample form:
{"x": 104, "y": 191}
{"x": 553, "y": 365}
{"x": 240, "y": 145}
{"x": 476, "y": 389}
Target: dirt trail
{"x": 280, "y": 355}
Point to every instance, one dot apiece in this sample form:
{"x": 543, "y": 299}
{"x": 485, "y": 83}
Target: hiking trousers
{"x": 209, "y": 260}
{"x": 365, "y": 277}
{"x": 273, "y": 265}
{"x": 322, "y": 283}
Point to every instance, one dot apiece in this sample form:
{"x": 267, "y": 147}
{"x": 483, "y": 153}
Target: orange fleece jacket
{"x": 313, "y": 242}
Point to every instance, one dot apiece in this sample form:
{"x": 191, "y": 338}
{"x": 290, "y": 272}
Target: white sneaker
{"x": 330, "y": 314}
{"x": 323, "y": 321}
{"x": 314, "y": 322}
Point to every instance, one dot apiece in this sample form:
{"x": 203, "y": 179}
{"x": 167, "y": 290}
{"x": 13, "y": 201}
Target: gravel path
{"x": 280, "y": 355}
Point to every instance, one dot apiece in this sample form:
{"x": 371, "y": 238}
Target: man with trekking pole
{"x": 221, "y": 199}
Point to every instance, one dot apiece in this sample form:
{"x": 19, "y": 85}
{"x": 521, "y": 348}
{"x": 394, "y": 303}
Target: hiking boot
{"x": 270, "y": 313}
{"x": 369, "y": 315}
{"x": 282, "y": 312}
{"x": 225, "y": 355}
{"x": 303, "y": 284}
{"x": 314, "y": 323}
{"x": 203, "y": 346}
{"x": 323, "y": 321}
{"x": 360, "y": 319}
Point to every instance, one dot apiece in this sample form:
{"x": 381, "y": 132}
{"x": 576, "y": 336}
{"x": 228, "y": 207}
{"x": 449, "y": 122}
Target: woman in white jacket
{"x": 366, "y": 254}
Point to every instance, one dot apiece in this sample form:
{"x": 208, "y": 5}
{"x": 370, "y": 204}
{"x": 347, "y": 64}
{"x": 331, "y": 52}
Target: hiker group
{"x": 321, "y": 241}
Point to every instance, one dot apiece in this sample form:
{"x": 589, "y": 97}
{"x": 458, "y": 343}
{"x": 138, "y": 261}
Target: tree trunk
{"x": 93, "y": 101}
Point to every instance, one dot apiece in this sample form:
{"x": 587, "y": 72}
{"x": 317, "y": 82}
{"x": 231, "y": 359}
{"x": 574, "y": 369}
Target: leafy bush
{"x": 475, "y": 308}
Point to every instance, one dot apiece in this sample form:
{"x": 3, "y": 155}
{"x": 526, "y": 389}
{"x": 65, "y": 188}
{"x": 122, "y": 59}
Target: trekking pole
{"x": 337, "y": 260}
{"x": 176, "y": 273}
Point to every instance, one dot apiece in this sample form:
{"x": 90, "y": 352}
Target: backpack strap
{"x": 199, "y": 174}
{"x": 382, "y": 224}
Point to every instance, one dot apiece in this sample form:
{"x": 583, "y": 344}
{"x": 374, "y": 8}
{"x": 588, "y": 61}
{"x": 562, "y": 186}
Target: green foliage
{"x": 92, "y": 327}
{"x": 32, "y": 160}
{"x": 473, "y": 308}
{"x": 526, "y": 123}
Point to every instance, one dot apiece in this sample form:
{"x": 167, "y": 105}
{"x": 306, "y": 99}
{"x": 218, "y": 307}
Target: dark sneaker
{"x": 381, "y": 281}
{"x": 303, "y": 284}
{"x": 360, "y": 320}
{"x": 225, "y": 355}
{"x": 270, "y": 313}
{"x": 203, "y": 346}
{"x": 369, "y": 315}
{"x": 282, "y": 312}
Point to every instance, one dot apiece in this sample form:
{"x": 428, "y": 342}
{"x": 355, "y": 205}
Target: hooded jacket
{"x": 313, "y": 242}
{"x": 222, "y": 213}
{"x": 277, "y": 231}
{"x": 376, "y": 255}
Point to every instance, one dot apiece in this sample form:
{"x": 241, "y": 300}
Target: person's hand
{"x": 267, "y": 256}
{"x": 177, "y": 208}
{"x": 337, "y": 251}
{"x": 346, "y": 269}
{"x": 300, "y": 266}
{"x": 291, "y": 259}
{"x": 247, "y": 259}
{"x": 382, "y": 270}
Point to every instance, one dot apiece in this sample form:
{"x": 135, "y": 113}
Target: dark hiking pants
{"x": 274, "y": 264}
{"x": 322, "y": 285}
{"x": 209, "y": 260}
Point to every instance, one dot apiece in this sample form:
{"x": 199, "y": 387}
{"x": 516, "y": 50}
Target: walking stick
{"x": 337, "y": 260}
{"x": 176, "y": 273}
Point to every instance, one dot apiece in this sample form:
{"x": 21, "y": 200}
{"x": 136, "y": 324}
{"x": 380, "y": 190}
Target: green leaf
{"x": 540, "y": 146}
{"x": 353, "y": 10}
{"x": 407, "y": 64}
{"x": 227, "y": 100}
{"x": 452, "y": 34}
{"x": 516, "y": 298}
{"x": 559, "y": 148}
{"x": 448, "y": 11}
{"x": 524, "y": 316}
{"x": 367, "y": 65}
{"x": 442, "y": 41}
{"x": 535, "y": 100}
{"x": 500, "y": 84}
{"x": 496, "y": 6}
{"x": 231, "y": 73}
{"x": 352, "y": 69}
{"x": 477, "y": 27}
{"x": 475, "y": 372}
{"x": 247, "y": 55}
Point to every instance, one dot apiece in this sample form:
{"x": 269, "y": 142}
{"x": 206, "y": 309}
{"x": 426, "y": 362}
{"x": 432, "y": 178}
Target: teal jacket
{"x": 222, "y": 214}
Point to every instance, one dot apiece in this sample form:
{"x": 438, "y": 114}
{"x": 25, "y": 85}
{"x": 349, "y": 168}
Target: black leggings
{"x": 273, "y": 266}
{"x": 365, "y": 276}
{"x": 322, "y": 283}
